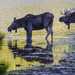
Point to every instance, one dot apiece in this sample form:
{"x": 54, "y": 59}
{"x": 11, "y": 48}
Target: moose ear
{"x": 15, "y": 19}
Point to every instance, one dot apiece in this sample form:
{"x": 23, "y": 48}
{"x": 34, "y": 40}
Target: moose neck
{"x": 21, "y": 23}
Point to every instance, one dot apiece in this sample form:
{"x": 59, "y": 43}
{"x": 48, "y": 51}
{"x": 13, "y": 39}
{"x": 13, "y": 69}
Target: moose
{"x": 69, "y": 17}
{"x": 34, "y": 22}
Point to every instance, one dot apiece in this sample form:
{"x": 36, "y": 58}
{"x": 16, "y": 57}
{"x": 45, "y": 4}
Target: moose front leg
{"x": 29, "y": 31}
{"x": 68, "y": 26}
{"x": 29, "y": 34}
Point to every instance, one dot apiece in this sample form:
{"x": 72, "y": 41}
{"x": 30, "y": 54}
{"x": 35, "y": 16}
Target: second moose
{"x": 69, "y": 17}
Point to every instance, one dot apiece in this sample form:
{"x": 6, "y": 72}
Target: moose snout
{"x": 60, "y": 19}
{"x": 9, "y": 29}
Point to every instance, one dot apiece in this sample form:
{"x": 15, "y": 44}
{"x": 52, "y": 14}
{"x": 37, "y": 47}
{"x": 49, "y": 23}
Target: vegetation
{"x": 3, "y": 67}
{"x": 1, "y": 39}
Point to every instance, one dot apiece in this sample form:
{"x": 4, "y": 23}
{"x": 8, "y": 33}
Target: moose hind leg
{"x": 48, "y": 32}
{"x": 51, "y": 35}
{"x": 51, "y": 30}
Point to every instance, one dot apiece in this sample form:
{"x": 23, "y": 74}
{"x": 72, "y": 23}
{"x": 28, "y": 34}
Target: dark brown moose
{"x": 69, "y": 17}
{"x": 34, "y": 22}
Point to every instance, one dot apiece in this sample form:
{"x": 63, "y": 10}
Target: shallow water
{"x": 19, "y": 55}
{"x": 40, "y": 52}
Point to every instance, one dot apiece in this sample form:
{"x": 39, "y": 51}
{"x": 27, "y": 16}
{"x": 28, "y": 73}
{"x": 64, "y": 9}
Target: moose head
{"x": 13, "y": 26}
{"x": 69, "y": 17}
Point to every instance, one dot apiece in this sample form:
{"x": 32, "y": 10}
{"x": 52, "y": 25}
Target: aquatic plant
{"x": 3, "y": 67}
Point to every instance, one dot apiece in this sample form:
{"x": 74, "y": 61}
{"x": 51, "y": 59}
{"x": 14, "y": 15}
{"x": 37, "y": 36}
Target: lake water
{"x": 17, "y": 53}
{"x": 21, "y": 55}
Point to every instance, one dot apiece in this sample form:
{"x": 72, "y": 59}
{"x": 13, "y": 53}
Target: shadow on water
{"x": 31, "y": 53}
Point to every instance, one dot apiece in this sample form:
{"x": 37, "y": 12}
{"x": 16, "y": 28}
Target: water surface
{"x": 21, "y": 55}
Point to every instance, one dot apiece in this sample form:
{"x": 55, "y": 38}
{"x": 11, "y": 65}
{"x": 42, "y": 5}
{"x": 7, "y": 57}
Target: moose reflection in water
{"x": 31, "y": 53}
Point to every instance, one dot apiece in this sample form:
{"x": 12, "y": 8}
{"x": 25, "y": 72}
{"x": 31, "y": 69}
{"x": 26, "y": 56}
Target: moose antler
{"x": 61, "y": 12}
{"x": 66, "y": 12}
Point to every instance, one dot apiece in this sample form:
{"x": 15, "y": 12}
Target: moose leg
{"x": 29, "y": 34}
{"x": 51, "y": 35}
{"x": 16, "y": 44}
{"x": 29, "y": 31}
{"x": 48, "y": 32}
{"x": 51, "y": 30}
{"x": 9, "y": 43}
{"x": 68, "y": 26}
